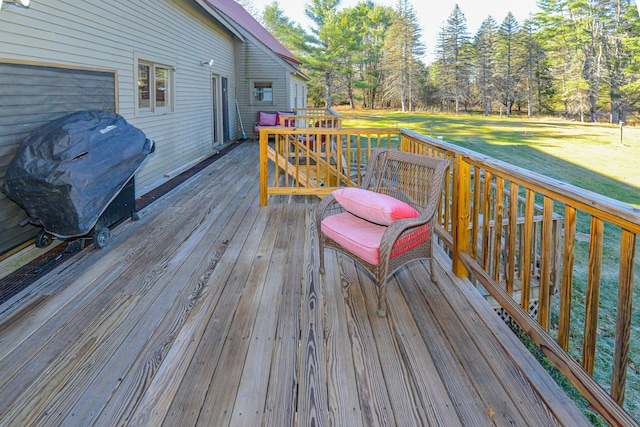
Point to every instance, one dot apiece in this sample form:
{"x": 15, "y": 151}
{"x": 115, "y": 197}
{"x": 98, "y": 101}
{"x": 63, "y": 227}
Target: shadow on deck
{"x": 210, "y": 310}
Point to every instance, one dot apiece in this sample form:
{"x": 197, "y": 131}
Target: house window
{"x": 144, "y": 80}
{"x": 155, "y": 94}
{"x": 262, "y": 92}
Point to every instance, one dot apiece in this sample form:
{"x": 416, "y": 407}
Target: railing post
{"x": 264, "y": 168}
{"x": 593, "y": 294}
{"x": 624, "y": 313}
{"x": 402, "y": 144}
{"x": 546, "y": 246}
{"x": 461, "y": 212}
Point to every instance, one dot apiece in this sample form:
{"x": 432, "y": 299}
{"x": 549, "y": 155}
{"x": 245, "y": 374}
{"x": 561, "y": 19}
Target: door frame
{"x": 215, "y": 110}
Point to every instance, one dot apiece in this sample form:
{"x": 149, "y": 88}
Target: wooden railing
{"x": 316, "y": 111}
{"x": 531, "y": 256}
{"x": 311, "y": 121}
{"x": 534, "y": 247}
{"x": 316, "y": 160}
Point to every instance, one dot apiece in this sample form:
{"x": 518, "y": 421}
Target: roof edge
{"x": 243, "y": 21}
{"x": 221, "y": 18}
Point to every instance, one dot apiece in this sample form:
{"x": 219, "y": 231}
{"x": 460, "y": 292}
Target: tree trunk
{"x": 328, "y": 89}
{"x": 352, "y": 103}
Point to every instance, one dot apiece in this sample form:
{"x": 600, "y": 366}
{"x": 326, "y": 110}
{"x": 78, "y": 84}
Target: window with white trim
{"x": 263, "y": 92}
{"x": 155, "y": 88}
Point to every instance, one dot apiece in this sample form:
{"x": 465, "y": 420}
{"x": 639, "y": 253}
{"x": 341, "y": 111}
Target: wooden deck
{"x": 210, "y": 311}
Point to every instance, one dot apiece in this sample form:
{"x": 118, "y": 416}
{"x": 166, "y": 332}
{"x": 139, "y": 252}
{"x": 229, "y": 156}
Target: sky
{"x": 432, "y": 14}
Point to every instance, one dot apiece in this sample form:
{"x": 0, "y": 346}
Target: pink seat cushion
{"x": 362, "y": 238}
{"x": 375, "y": 207}
{"x": 267, "y": 119}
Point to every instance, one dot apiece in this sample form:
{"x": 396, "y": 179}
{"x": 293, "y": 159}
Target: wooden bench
{"x": 271, "y": 119}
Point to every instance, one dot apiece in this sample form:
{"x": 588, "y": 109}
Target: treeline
{"x": 579, "y": 58}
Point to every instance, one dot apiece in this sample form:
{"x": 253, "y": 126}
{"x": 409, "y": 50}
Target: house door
{"x": 225, "y": 110}
{"x": 215, "y": 106}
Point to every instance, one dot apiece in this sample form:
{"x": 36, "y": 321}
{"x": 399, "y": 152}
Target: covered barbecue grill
{"x": 74, "y": 176}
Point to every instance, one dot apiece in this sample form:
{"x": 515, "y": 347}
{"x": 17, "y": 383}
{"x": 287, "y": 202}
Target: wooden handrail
{"x": 525, "y": 210}
{"x": 611, "y": 210}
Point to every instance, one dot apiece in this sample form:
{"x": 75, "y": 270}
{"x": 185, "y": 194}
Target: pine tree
{"x": 485, "y": 55}
{"x": 506, "y": 77}
{"x": 630, "y": 89}
{"x": 622, "y": 51}
{"x": 366, "y": 25}
{"x": 533, "y": 68}
{"x": 290, "y": 34}
{"x": 372, "y": 69}
{"x": 323, "y": 61}
{"x": 453, "y": 50}
{"x": 403, "y": 49}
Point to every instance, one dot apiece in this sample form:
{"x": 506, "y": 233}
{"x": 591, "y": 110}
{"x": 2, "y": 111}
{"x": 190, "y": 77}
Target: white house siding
{"x": 297, "y": 92}
{"x": 112, "y": 35}
{"x": 259, "y": 64}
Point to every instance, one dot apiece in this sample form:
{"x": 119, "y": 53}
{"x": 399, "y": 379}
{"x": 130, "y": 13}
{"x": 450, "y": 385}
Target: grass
{"x": 587, "y": 155}
{"x": 590, "y": 156}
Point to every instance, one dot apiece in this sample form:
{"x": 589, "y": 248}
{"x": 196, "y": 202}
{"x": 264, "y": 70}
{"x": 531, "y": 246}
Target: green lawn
{"x": 587, "y": 155}
{"x": 590, "y": 156}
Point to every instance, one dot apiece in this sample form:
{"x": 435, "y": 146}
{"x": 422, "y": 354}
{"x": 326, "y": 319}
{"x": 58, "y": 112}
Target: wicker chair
{"x": 416, "y": 180}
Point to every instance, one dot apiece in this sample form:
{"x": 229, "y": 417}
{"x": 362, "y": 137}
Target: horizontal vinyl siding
{"x": 110, "y": 35}
{"x": 297, "y": 92}
{"x": 30, "y": 97}
{"x": 259, "y": 66}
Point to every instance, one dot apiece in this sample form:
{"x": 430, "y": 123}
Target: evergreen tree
{"x": 290, "y": 34}
{"x": 485, "y": 56}
{"x": 506, "y": 77}
{"x": 403, "y": 49}
{"x": 372, "y": 69}
{"x": 323, "y": 61}
{"x": 622, "y": 51}
{"x": 453, "y": 50}
{"x": 533, "y": 68}
{"x": 366, "y": 25}
{"x": 345, "y": 36}
{"x": 444, "y": 81}
{"x": 594, "y": 41}
{"x": 588, "y": 29}
{"x": 555, "y": 36}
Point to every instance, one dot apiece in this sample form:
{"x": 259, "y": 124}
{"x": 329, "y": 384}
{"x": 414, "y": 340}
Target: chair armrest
{"x": 328, "y": 206}
{"x": 401, "y": 228}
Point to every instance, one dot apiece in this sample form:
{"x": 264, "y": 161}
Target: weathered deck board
{"x": 250, "y": 398}
{"x": 280, "y": 405}
{"x": 210, "y": 310}
{"x": 374, "y": 396}
{"x": 313, "y": 401}
{"x": 197, "y": 249}
{"x": 560, "y": 407}
{"x": 344, "y": 402}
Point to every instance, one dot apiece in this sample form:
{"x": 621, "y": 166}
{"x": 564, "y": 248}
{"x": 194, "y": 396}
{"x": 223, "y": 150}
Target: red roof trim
{"x": 240, "y": 16}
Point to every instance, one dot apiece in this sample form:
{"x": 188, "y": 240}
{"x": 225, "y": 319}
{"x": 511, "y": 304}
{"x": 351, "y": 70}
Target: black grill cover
{"x": 66, "y": 173}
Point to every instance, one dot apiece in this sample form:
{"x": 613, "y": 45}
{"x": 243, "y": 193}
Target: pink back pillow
{"x": 267, "y": 119}
{"x": 374, "y": 207}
